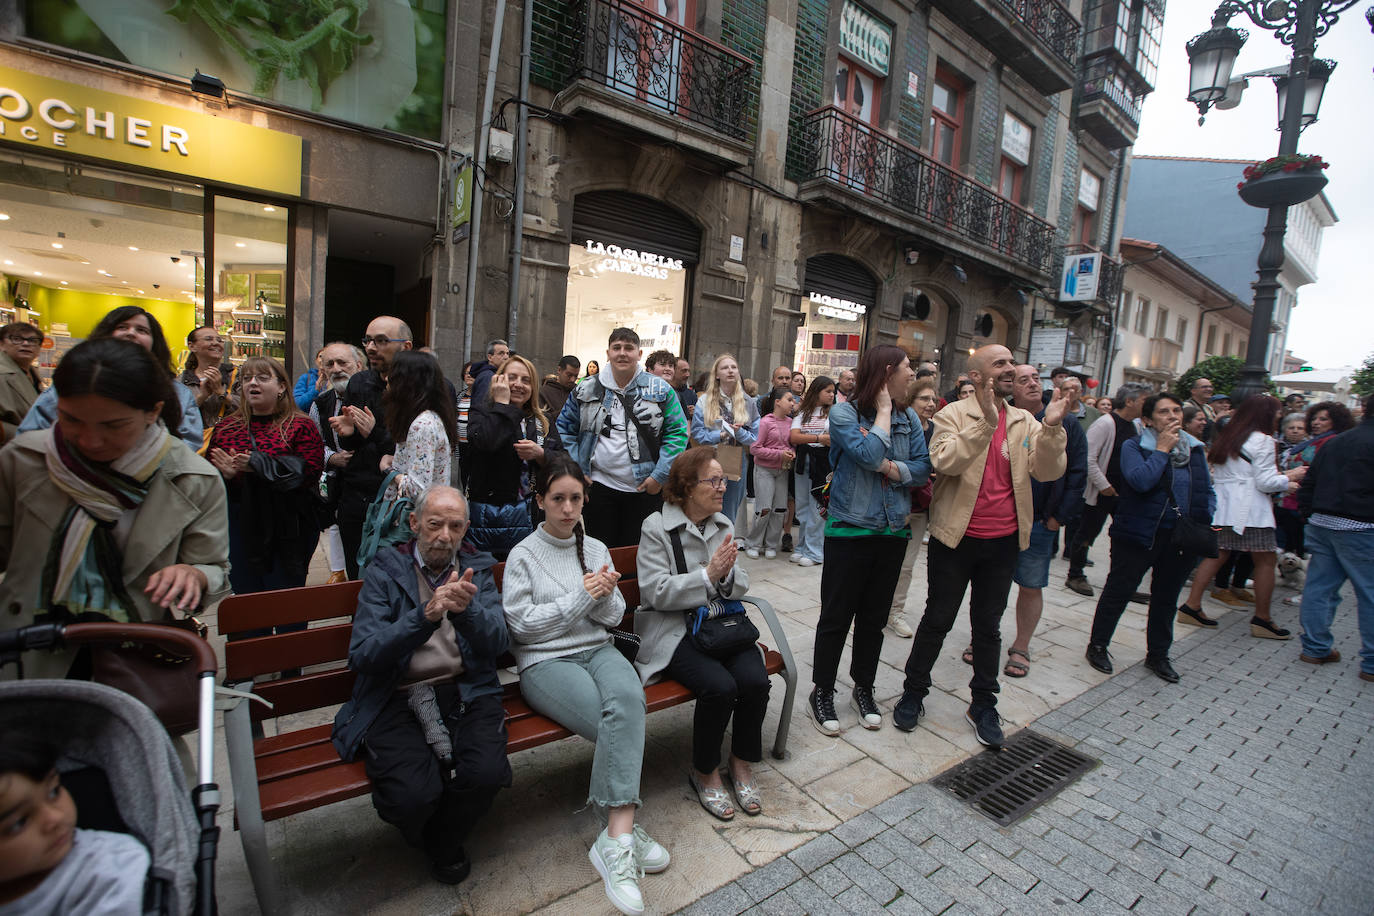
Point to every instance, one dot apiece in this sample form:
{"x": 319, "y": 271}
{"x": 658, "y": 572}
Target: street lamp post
{"x": 1212, "y": 56}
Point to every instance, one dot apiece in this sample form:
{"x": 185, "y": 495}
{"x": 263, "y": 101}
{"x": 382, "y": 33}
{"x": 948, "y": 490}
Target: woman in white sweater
{"x": 1246, "y": 478}
{"x": 560, "y": 599}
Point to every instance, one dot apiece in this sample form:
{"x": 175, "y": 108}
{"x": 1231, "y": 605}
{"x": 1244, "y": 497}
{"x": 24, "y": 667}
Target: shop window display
{"x": 611, "y": 286}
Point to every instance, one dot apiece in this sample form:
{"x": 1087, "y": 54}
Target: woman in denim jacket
{"x": 878, "y": 453}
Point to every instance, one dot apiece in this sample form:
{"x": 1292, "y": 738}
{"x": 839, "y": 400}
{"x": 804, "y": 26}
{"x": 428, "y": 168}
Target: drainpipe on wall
{"x": 517, "y": 243}
{"x": 478, "y": 171}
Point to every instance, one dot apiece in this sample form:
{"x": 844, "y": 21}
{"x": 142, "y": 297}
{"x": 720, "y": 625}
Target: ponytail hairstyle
{"x": 560, "y": 465}
{"x": 811, "y": 403}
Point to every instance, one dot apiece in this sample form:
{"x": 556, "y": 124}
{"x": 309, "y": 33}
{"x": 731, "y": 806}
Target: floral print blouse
{"x": 423, "y": 459}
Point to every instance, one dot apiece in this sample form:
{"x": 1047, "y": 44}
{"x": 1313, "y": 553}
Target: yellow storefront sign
{"x": 52, "y": 114}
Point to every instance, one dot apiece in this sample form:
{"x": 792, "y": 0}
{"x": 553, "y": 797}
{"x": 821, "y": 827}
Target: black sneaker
{"x": 870, "y": 716}
{"x": 987, "y": 725}
{"x": 908, "y": 711}
{"x": 452, "y": 872}
{"x": 822, "y": 703}
{"x": 786, "y": 543}
{"x": 1140, "y": 598}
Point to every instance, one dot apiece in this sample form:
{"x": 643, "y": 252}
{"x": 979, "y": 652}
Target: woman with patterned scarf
{"x": 106, "y": 514}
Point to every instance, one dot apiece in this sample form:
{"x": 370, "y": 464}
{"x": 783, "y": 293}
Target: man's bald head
{"x": 397, "y": 336}
{"x": 993, "y": 362}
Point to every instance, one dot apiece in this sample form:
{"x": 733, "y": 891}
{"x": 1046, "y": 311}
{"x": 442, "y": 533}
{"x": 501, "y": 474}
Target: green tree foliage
{"x": 1363, "y": 378}
{"x": 1223, "y": 371}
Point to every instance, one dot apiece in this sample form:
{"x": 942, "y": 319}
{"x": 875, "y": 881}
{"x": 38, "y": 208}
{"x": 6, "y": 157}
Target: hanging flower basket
{"x": 1282, "y": 181}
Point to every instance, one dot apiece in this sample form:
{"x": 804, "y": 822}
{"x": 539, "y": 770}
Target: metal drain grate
{"x": 1008, "y": 784}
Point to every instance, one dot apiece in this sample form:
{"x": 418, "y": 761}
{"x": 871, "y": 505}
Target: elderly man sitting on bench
{"x": 426, "y": 710}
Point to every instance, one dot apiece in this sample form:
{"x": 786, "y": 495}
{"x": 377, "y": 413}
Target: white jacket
{"x": 1245, "y": 488}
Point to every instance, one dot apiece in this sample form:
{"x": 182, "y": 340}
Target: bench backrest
{"x": 323, "y": 646}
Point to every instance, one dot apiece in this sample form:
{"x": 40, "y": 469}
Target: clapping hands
{"x": 601, "y": 583}
{"x": 723, "y": 560}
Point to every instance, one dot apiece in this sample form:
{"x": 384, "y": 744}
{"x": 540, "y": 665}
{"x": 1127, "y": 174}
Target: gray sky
{"x": 1334, "y": 322}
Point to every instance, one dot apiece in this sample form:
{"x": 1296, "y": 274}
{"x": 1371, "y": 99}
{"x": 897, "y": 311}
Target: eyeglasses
{"x": 262, "y": 379}
{"x": 25, "y": 341}
{"x": 717, "y": 483}
{"x": 382, "y": 340}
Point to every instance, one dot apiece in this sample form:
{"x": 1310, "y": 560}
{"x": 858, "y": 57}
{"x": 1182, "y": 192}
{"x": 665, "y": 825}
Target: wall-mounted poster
{"x": 379, "y": 63}
{"x": 267, "y": 286}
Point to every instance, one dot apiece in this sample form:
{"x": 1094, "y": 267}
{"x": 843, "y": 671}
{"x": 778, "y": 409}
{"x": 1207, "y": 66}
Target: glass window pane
{"x": 943, "y": 98}
{"x": 607, "y": 292}
{"x": 82, "y": 240}
{"x": 249, "y": 277}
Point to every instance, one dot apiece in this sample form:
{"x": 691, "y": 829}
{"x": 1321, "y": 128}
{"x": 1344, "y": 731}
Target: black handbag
{"x": 286, "y": 474}
{"x": 626, "y": 643}
{"x": 1190, "y": 535}
{"x": 721, "y": 629}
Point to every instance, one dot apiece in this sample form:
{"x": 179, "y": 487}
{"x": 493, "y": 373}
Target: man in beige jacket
{"x": 984, "y": 453}
{"x": 19, "y": 345}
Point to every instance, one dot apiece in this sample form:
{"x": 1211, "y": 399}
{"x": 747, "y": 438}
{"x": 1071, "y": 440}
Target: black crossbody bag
{"x": 721, "y": 629}
{"x": 1190, "y": 535}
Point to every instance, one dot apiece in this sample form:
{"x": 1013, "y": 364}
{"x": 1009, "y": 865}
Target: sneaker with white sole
{"x": 770, "y": 554}
{"x": 751, "y": 552}
{"x": 870, "y": 716}
{"x": 898, "y": 625}
{"x": 987, "y": 725}
{"x": 805, "y": 561}
{"x": 649, "y": 852}
{"x": 614, "y": 859}
{"x": 822, "y": 704}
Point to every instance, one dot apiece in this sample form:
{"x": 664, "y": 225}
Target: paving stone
{"x": 867, "y": 877}
{"x": 831, "y": 879}
{"x": 876, "y": 853}
{"x": 761, "y": 883}
{"x": 817, "y": 852}
{"x": 859, "y": 830}
{"x": 1004, "y": 868}
{"x": 780, "y": 904}
{"x": 956, "y": 860}
{"x": 900, "y": 806}
{"x": 813, "y": 900}
{"x": 856, "y": 901}
{"x": 1050, "y": 873}
{"x": 916, "y": 886}
{"x": 729, "y": 900}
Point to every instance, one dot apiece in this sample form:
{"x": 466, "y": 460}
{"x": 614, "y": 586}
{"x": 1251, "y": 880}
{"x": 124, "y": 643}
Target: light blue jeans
{"x": 734, "y": 492}
{"x": 598, "y": 695}
{"x": 770, "y": 507}
{"x": 1333, "y": 557}
{"x": 810, "y": 526}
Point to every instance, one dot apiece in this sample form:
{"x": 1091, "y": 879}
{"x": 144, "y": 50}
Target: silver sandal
{"x": 746, "y": 796}
{"x": 714, "y": 799}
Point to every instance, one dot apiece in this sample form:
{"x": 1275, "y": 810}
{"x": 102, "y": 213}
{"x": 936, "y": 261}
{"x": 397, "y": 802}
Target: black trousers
{"x": 858, "y": 580}
{"x": 1236, "y": 571}
{"x": 987, "y": 565}
{"x": 613, "y": 516}
{"x": 1292, "y": 527}
{"x": 352, "y": 512}
{"x": 737, "y": 686}
{"x": 1129, "y": 563}
{"x": 1089, "y": 527}
{"x": 435, "y": 810}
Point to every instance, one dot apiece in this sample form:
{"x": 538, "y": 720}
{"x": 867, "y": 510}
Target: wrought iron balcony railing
{"x": 1109, "y": 79}
{"x": 641, "y": 55}
{"x": 1109, "y": 276}
{"x": 836, "y": 147}
{"x": 1052, "y": 23}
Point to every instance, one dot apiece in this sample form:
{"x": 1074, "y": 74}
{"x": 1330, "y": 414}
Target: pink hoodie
{"x": 772, "y": 444}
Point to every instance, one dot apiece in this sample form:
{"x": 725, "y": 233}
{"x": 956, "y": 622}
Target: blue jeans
{"x": 811, "y": 527}
{"x": 598, "y": 695}
{"x": 1335, "y": 556}
{"x": 734, "y": 495}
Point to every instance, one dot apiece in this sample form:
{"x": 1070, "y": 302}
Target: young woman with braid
{"x": 560, "y": 598}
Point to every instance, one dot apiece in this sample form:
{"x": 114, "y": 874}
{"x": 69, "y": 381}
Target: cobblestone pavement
{"x": 1244, "y": 789}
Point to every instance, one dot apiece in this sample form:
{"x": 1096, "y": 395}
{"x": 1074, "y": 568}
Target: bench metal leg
{"x": 789, "y": 672}
{"x": 243, "y": 774}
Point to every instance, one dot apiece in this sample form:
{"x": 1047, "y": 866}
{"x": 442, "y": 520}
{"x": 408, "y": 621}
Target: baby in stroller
{"x": 48, "y": 864}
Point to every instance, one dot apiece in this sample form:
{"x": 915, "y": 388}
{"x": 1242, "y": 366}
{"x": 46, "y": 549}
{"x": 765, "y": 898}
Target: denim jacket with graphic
{"x": 656, "y": 407}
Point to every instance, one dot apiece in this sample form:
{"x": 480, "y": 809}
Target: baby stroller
{"x": 117, "y": 759}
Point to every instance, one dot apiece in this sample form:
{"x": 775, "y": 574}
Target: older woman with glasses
{"x": 19, "y": 386}
{"x": 687, "y": 559}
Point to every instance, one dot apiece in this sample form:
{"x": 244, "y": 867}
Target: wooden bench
{"x": 297, "y": 770}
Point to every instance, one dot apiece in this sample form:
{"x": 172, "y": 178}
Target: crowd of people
{"x": 132, "y": 491}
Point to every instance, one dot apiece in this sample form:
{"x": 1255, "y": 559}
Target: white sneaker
{"x": 795, "y": 557}
{"x": 752, "y": 553}
{"x": 770, "y": 554}
{"x": 805, "y": 561}
{"x": 614, "y": 859}
{"x": 650, "y": 854}
{"x": 898, "y": 625}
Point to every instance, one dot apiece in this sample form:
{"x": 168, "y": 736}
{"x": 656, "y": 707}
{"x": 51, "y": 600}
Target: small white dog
{"x": 1292, "y": 568}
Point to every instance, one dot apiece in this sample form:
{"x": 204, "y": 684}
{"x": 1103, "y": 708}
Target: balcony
{"x": 619, "y": 61}
{"x": 1164, "y": 355}
{"x": 1108, "y": 279}
{"x": 1036, "y": 38}
{"x": 842, "y": 159}
{"x": 1109, "y": 102}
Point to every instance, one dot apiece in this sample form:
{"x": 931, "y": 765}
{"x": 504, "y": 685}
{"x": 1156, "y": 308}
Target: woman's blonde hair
{"x": 739, "y": 408}
{"x": 531, "y": 408}
{"x": 286, "y": 408}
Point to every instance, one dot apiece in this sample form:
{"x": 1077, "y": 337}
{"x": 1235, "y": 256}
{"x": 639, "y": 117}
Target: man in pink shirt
{"x": 984, "y": 453}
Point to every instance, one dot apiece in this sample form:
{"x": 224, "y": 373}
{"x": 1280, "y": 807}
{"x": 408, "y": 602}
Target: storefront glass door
{"x": 250, "y": 276}
{"x": 610, "y": 287}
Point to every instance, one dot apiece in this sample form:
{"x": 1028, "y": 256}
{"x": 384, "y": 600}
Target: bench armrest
{"x": 789, "y": 672}
{"x": 779, "y": 640}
